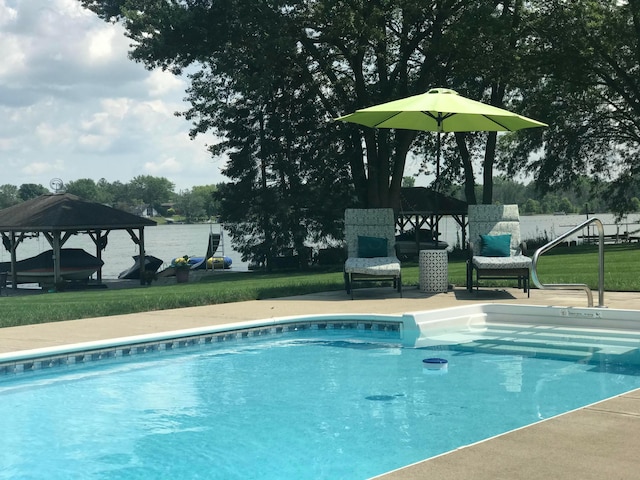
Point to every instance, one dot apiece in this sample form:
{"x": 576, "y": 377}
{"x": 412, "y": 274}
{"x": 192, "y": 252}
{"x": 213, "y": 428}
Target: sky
{"x": 73, "y": 105}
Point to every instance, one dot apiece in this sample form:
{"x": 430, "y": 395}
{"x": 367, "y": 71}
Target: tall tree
{"x": 206, "y": 194}
{"x": 585, "y": 60}
{"x": 84, "y": 188}
{"x": 151, "y": 190}
{"x": 190, "y": 204}
{"x": 9, "y": 195}
{"x": 27, "y": 191}
{"x": 349, "y": 54}
{"x": 269, "y": 77}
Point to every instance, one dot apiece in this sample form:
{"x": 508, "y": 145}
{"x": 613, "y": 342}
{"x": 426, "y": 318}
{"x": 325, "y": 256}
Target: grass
{"x": 562, "y": 265}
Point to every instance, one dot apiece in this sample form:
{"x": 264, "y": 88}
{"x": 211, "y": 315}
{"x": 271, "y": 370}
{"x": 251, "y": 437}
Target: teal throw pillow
{"x": 369, "y": 247}
{"x": 495, "y": 245}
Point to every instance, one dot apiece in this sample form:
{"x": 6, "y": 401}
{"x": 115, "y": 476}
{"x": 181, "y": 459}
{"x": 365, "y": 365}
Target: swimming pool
{"x": 339, "y": 378}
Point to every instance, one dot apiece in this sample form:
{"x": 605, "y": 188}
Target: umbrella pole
{"x": 438, "y": 161}
{"x": 437, "y": 186}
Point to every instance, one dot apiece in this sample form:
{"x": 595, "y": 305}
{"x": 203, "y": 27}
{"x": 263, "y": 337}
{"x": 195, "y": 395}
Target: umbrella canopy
{"x": 440, "y": 110}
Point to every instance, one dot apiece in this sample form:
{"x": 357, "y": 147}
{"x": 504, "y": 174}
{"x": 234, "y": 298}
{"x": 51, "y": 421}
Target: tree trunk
{"x": 487, "y": 168}
{"x": 469, "y": 181}
{"x": 404, "y": 138}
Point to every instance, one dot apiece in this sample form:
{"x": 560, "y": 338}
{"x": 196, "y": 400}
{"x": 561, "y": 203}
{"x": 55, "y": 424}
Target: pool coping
{"x": 379, "y": 327}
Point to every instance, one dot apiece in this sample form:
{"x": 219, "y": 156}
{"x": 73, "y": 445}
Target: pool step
{"x": 541, "y": 341}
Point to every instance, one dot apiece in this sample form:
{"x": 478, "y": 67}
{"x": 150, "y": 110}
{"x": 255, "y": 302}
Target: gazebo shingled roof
{"x": 58, "y": 216}
{"x": 66, "y": 212}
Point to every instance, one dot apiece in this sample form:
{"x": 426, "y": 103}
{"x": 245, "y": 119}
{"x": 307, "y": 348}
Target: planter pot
{"x": 182, "y": 275}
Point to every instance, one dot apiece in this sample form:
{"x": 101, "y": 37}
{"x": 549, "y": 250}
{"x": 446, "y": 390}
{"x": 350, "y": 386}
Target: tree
{"x": 151, "y": 190}
{"x": 408, "y": 181}
{"x": 190, "y": 204}
{"x": 9, "y": 195}
{"x": 531, "y": 207}
{"x": 27, "y": 191}
{"x": 206, "y": 194}
{"x": 268, "y": 78}
{"x": 84, "y": 188}
{"x": 344, "y": 55}
{"x": 584, "y": 65}
{"x": 490, "y": 42}
{"x": 115, "y": 194}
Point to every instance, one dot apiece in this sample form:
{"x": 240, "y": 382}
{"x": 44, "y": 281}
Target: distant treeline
{"x": 585, "y": 197}
{"x": 144, "y": 194}
{"x": 199, "y": 203}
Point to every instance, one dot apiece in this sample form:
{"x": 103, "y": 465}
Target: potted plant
{"x": 182, "y": 267}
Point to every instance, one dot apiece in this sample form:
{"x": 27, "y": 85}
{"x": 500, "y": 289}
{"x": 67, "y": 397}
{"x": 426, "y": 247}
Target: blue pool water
{"x": 291, "y": 407}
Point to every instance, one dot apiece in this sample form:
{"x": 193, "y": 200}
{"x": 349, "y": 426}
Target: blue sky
{"x": 74, "y": 106}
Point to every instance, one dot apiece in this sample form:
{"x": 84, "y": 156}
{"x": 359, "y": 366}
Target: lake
{"x": 550, "y": 226}
{"x": 162, "y": 241}
{"x": 170, "y": 241}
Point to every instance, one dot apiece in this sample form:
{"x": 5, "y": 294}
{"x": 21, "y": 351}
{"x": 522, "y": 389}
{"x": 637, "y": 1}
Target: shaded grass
{"x": 562, "y": 265}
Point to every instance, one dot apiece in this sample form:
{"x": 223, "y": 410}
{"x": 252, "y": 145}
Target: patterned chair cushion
{"x": 373, "y": 266}
{"x": 500, "y": 263}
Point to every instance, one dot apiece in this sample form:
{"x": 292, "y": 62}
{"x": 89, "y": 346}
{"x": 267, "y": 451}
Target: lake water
{"x": 550, "y": 226}
{"x": 170, "y": 241}
{"x": 162, "y": 241}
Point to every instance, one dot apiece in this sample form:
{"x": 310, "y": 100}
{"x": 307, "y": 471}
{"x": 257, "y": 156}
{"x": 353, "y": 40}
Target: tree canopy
{"x": 584, "y": 66}
{"x": 268, "y": 77}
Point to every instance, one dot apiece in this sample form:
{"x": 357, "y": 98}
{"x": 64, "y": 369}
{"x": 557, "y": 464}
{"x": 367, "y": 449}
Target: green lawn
{"x": 562, "y": 265}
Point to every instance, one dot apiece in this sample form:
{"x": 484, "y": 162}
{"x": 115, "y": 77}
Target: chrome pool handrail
{"x": 574, "y": 286}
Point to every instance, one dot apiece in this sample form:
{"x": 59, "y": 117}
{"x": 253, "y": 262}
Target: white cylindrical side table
{"x": 434, "y": 270}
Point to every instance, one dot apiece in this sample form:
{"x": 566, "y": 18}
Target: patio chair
{"x": 370, "y": 238}
{"x": 495, "y": 249}
{"x": 3, "y": 281}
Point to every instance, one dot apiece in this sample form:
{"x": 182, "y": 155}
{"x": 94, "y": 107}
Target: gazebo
{"x": 422, "y": 208}
{"x": 59, "y": 216}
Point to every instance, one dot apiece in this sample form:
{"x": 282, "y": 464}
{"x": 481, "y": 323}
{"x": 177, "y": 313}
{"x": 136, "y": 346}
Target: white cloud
{"x": 42, "y": 168}
{"x": 161, "y": 82}
{"x": 163, "y": 168}
{"x": 48, "y": 134}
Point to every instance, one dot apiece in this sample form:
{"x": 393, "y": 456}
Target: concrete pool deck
{"x": 595, "y": 442}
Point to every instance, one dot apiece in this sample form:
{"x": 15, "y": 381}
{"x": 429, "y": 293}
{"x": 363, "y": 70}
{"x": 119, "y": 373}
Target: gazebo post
{"x": 14, "y": 259}
{"x": 98, "y": 242}
{"x": 142, "y": 259}
{"x": 56, "y": 258}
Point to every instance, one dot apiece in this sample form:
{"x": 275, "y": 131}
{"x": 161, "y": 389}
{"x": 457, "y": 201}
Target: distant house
{"x": 145, "y": 211}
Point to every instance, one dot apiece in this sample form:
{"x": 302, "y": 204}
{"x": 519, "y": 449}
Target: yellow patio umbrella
{"x": 440, "y": 110}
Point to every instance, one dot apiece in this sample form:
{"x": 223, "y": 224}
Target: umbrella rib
{"x": 439, "y": 117}
{"x": 497, "y": 123}
{"x": 395, "y": 114}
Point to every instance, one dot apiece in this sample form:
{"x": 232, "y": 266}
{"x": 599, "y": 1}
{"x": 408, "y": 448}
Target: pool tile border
{"x": 122, "y": 348}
